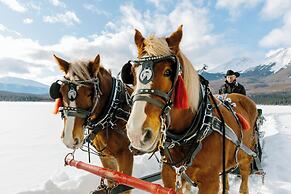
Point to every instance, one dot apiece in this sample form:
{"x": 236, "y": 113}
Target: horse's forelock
{"x": 154, "y": 46}
{"x": 79, "y": 71}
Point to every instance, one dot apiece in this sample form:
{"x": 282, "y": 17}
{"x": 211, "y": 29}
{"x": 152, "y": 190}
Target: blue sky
{"x": 215, "y": 31}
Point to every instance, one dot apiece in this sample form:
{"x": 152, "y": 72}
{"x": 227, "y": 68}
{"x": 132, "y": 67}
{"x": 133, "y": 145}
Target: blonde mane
{"x": 154, "y": 46}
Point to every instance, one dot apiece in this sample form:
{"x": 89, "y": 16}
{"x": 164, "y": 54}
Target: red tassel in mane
{"x": 58, "y": 104}
{"x": 181, "y": 97}
{"x": 244, "y": 123}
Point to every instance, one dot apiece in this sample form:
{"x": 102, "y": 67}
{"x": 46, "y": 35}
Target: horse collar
{"x": 198, "y": 130}
{"x": 112, "y": 111}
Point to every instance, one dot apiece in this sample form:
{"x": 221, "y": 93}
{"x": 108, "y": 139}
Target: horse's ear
{"x": 175, "y": 39}
{"x": 138, "y": 39}
{"x": 94, "y": 66}
{"x": 64, "y": 65}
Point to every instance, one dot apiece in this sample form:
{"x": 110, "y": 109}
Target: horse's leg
{"x": 244, "y": 172}
{"x": 226, "y": 183}
{"x": 209, "y": 186}
{"x": 110, "y": 163}
{"x": 125, "y": 163}
{"x": 168, "y": 176}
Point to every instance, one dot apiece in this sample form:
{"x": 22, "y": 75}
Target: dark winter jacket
{"x": 233, "y": 87}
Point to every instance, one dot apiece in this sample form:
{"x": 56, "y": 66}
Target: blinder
{"x": 55, "y": 90}
{"x": 147, "y": 72}
{"x": 126, "y": 73}
{"x": 72, "y": 95}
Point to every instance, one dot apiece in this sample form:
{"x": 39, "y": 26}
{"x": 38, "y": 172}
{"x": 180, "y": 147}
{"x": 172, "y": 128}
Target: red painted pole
{"x": 121, "y": 178}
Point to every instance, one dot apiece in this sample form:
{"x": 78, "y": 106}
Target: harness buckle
{"x": 179, "y": 171}
{"x": 173, "y": 144}
{"x": 167, "y": 109}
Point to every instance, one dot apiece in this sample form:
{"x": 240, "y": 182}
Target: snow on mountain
{"x": 19, "y": 85}
{"x": 236, "y": 64}
{"x": 278, "y": 59}
{"x": 274, "y": 61}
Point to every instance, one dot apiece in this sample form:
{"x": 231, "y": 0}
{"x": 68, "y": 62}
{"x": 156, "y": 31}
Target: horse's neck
{"x": 105, "y": 81}
{"x": 181, "y": 120}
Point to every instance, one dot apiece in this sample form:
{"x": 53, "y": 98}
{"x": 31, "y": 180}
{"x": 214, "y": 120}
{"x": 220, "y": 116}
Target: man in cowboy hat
{"x": 231, "y": 85}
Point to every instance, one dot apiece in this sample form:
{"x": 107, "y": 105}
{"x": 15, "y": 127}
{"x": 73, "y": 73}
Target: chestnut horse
{"x": 174, "y": 111}
{"x": 95, "y": 101}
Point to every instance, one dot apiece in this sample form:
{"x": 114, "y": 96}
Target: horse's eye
{"x": 168, "y": 73}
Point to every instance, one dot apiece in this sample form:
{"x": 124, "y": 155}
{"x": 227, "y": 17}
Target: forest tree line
{"x": 272, "y": 98}
{"x": 268, "y": 99}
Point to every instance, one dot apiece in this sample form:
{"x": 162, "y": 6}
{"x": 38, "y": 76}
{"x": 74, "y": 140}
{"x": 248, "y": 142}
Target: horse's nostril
{"x": 76, "y": 141}
{"x": 147, "y": 135}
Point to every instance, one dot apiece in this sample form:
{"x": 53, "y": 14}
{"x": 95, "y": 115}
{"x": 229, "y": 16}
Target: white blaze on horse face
{"x": 137, "y": 116}
{"x": 68, "y": 138}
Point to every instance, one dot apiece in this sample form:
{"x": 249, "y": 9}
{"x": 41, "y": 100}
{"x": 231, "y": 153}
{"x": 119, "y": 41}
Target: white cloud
{"x": 14, "y": 5}
{"x": 197, "y": 29}
{"x": 2, "y": 28}
{"x": 28, "y": 21}
{"x": 8, "y": 31}
{"x": 57, "y": 3}
{"x": 68, "y": 18}
{"x": 235, "y": 6}
{"x": 158, "y": 3}
{"x": 35, "y": 6}
{"x": 279, "y": 36}
{"x": 274, "y": 9}
{"x": 96, "y": 10}
{"x": 23, "y": 56}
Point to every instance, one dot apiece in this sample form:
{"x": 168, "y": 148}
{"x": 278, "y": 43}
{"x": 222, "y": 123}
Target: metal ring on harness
{"x": 66, "y": 160}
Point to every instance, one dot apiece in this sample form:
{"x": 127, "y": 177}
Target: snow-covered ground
{"x": 31, "y": 154}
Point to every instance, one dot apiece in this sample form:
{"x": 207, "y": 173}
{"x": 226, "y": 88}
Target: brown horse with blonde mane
{"x": 95, "y": 108}
{"x": 174, "y": 111}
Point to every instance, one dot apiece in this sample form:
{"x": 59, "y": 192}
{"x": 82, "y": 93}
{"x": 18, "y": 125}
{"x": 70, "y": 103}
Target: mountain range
{"x": 19, "y": 85}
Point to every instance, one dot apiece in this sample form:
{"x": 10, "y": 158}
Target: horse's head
{"x": 157, "y": 77}
{"x": 79, "y": 93}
